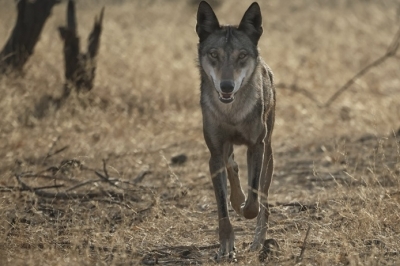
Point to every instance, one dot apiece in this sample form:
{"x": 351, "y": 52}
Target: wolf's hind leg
{"x": 237, "y": 195}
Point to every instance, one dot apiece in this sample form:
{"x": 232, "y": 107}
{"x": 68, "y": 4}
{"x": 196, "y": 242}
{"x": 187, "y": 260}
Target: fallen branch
{"x": 11, "y": 189}
{"x": 141, "y": 176}
{"x": 303, "y": 247}
{"x": 50, "y": 154}
{"x": 83, "y": 184}
{"x": 74, "y": 196}
{"x": 106, "y": 177}
{"x": 303, "y": 207}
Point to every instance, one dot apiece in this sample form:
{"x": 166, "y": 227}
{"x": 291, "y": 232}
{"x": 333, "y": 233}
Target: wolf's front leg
{"x": 226, "y": 235}
{"x": 255, "y": 156}
{"x": 262, "y": 219}
{"x": 237, "y": 195}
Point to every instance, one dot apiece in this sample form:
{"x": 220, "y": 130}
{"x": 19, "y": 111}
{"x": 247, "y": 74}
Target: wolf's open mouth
{"x": 226, "y": 97}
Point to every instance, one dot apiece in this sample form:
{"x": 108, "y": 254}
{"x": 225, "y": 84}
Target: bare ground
{"x": 97, "y": 182}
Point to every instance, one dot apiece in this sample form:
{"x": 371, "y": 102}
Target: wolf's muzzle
{"x": 227, "y": 86}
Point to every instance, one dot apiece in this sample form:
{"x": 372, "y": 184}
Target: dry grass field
{"x": 337, "y": 168}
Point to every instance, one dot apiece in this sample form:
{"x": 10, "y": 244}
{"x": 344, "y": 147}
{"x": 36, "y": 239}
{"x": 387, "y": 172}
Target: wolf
{"x": 237, "y": 99}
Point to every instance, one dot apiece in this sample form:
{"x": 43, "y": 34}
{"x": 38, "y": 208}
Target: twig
{"x": 10, "y": 189}
{"x": 106, "y": 179}
{"x": 83, "y": 184}
{"x": 192, "y": 247}
{"x": 105, "y": 169}
{"x": 141, "y": 176}
{"x": 303, "y": 248}
{"x": 51, "y": 177}
{"x": 113, "y": 202}
{"x": 57, "y": 151}
{"x": 303, "y": 207}
{"x": 50, "y": 153}
{"x": 30, "y": 174}
{"x": 72, "y": 196}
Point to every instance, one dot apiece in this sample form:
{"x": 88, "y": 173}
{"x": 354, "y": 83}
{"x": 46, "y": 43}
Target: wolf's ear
{"x": 251, "y": 23}
{"x": 207, "y": 21}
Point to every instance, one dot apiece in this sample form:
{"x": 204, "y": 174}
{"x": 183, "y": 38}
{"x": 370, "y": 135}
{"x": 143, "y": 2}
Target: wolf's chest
{"x": 234, "y": 114}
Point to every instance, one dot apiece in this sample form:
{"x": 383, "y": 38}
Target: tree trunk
{"x": 79, "y": 68}
{"x": 31, "y": 18}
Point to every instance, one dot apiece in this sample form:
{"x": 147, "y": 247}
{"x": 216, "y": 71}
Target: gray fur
{"x": 238, "y": 107}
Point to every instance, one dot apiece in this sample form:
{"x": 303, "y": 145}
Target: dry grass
{"x": 342, "y": 162}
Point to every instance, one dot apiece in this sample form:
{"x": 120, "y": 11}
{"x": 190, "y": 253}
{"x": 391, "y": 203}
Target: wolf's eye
{"x": 242, "y": 55}
{"x": 213, "y": 54}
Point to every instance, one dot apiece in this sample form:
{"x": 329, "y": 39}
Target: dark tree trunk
{"x": 79, "y": 68}
{"x": 31, "y": 18}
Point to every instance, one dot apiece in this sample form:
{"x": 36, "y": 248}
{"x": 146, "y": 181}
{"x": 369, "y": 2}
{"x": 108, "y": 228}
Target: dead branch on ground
{"x": 302, "y": 207}
{"x": 74, "y": 196}
{"x": 124, "y": 192}
{"x": 303, "y": 247}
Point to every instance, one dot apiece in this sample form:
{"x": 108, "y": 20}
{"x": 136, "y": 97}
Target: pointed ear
{"x": 207, "y": 22}
{"x": 251, "y": 23}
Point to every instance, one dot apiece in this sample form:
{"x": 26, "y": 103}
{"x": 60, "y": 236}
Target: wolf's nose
{"x": 227, "y": 86}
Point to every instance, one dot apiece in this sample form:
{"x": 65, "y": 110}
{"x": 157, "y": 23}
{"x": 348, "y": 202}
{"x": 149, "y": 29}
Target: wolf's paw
{"x": 250, "y": 210}
{"x": 237, "y": 200}
{"x": 269, "y": 251}
{"x": 255, "y": 246}
{"x": 225, "y": 256}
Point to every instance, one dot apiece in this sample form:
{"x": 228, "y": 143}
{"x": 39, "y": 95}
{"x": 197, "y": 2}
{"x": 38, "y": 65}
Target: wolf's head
{"x": 228, "y": 54}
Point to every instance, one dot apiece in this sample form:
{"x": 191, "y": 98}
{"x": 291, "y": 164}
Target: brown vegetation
{"x": 337, "y": 168}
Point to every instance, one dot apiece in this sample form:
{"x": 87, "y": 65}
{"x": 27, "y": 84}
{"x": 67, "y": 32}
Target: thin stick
{"x": 105, "y": 169}
{"x": 72, "y": 196}
{"x": 105, "y": 179}
{"x": 303, "y": 248}
{"x": 141, "y": 176}
{"x": 10, "y": 189}
{"x": 83, "y": 184}
{"x": 57, "y": 151}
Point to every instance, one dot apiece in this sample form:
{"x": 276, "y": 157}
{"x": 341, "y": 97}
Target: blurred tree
{"x": 32, "y": 16}
{"x": 79, "y": 68}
